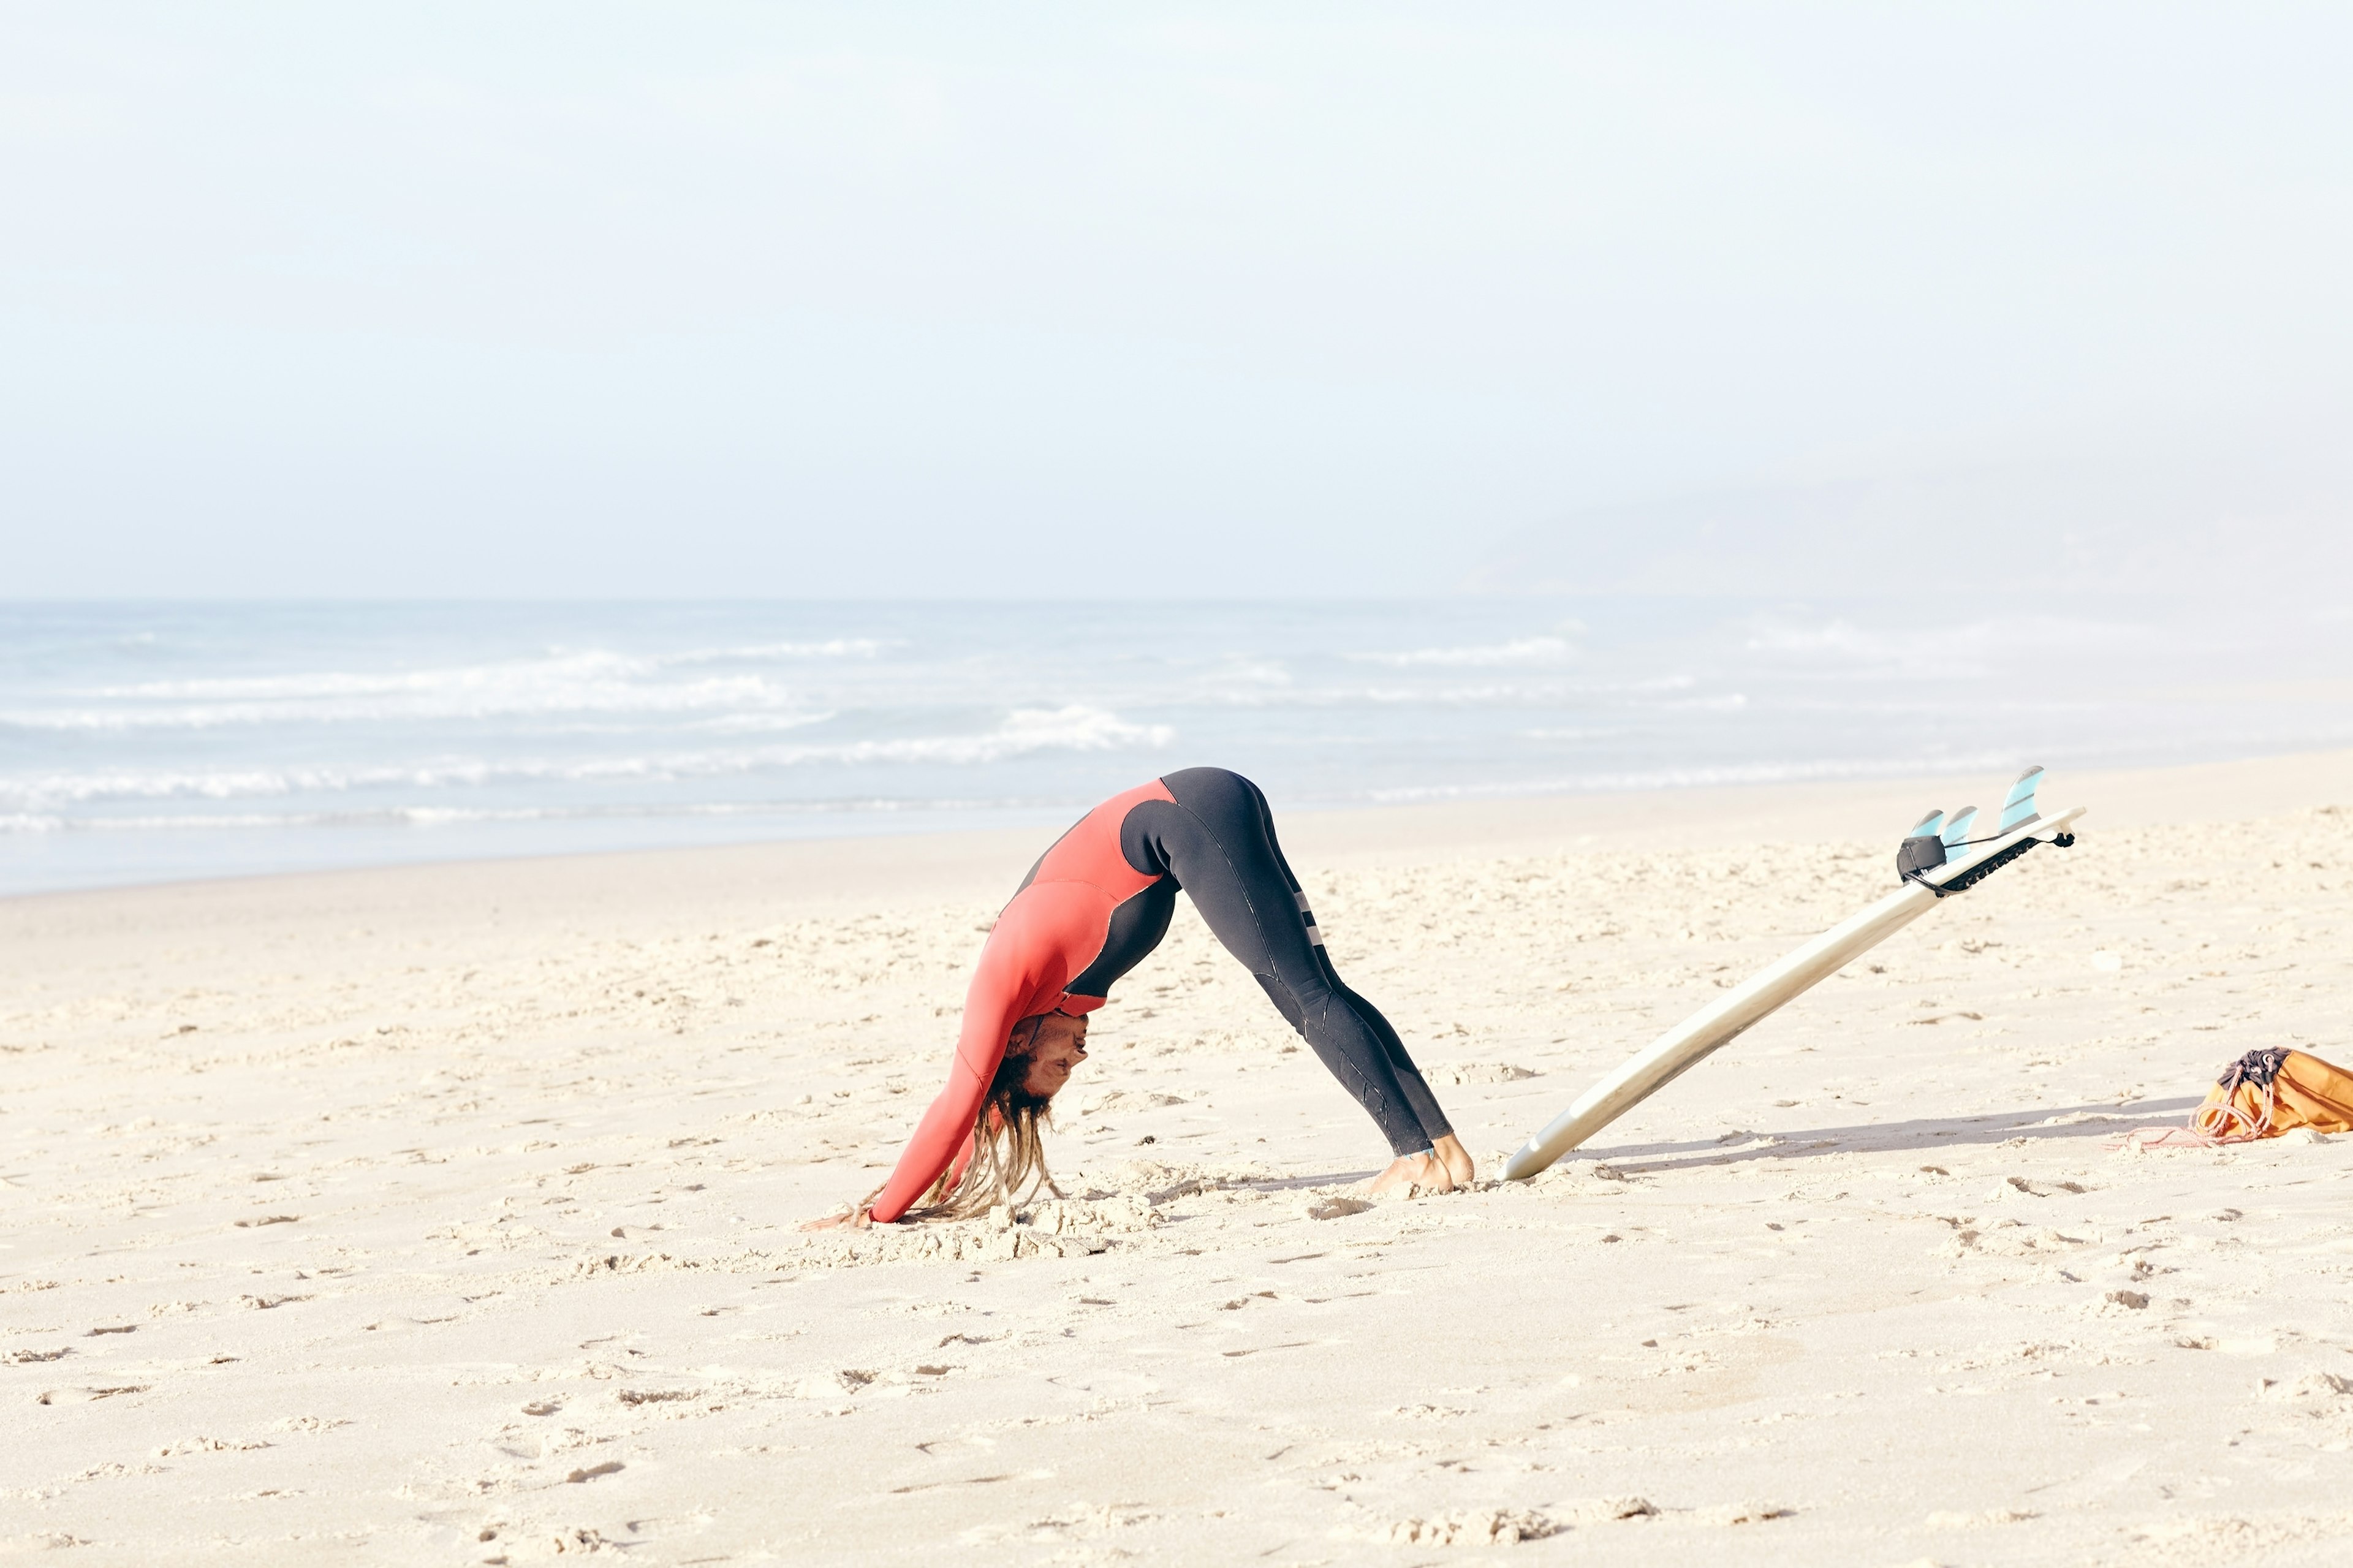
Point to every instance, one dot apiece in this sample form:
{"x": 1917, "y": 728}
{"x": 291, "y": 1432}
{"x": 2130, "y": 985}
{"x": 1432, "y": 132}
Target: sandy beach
{"x": 448, "y": 1213}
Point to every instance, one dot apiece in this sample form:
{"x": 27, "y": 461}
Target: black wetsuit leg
{"x": 1218, "y": 842}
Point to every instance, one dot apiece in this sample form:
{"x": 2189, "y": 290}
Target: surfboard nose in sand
{"x": 1936, "y": 859}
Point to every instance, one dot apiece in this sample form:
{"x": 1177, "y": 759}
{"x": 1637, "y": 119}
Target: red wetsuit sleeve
{"x": 1021, "y": 971}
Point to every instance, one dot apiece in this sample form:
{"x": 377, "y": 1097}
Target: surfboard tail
{"x": 1923, "y": 849}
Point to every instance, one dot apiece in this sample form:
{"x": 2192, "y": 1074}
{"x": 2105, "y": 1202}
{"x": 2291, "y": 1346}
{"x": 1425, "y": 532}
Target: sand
{"x": 447, "y": 1214}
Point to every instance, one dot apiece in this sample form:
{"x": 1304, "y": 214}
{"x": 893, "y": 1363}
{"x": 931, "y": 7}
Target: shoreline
{"x": 810, "y": 873}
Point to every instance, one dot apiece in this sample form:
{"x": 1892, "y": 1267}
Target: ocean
{"x": 143, "y": 742}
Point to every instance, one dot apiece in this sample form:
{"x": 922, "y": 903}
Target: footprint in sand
{"x": 1484, "y": 1527}
{"x": 2312, "y": 1385}
{"x": 1466, "y": 1073}
{"x": 1334, "y": 1208}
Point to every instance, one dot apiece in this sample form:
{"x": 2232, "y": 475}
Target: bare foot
{"x": 1457, "y": 1160}
{"x": 857, "y": 1221}
{"x": 1425, "y": 1172}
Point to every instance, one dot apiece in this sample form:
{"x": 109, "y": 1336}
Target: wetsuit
{"x": 1099, "y": 899}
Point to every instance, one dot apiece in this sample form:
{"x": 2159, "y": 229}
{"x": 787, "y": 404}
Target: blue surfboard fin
{"x": 2018, "y": 808}
{"x": 1930, "y": 825}
{"x": 1957, "y": 829}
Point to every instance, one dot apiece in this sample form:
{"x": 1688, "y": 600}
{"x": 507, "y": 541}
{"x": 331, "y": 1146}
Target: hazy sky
{"x": 1041, "y": 300}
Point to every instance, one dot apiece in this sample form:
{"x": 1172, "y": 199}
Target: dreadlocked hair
{"x": 1009, "y": 1157}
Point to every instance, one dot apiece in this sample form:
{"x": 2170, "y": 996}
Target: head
{"x": 1057, "y": 1044}
{"x": 1008, "y": 1157}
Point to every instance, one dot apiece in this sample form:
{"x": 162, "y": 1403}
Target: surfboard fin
{"x": 2018, "y": 807}
{"x": 1957, "y": 829}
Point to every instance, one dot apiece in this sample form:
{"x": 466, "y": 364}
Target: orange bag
{"x": 2266, "y": 1093}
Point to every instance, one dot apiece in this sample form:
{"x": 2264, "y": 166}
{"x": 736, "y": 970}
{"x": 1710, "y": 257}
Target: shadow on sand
{"x": 2043, "y": 1122}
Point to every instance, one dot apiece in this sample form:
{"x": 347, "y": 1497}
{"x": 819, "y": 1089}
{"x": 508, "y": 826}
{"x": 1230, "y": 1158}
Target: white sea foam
{"x": 764, "y": 653}
{"x": 758, "y": 724}
{"x": 1520, "y": 650}
{"x": 581, "y": 683}
{"x": 225, "y": 821}
{"x": 1024, "y": 731}
{"x": 562, "y": 666}
{"x": 426, "y": 816}
{"x": 1490, "y": 694}
{"x": 1074, "y": 728}
{"x": 1249, "y": 672}
{"x": 1701, "y": 777}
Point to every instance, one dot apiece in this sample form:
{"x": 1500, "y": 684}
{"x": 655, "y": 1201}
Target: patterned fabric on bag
{"x": 2266, "y": 1093}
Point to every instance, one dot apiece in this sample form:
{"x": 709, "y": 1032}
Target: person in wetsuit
{"x": 1092, "y": 908}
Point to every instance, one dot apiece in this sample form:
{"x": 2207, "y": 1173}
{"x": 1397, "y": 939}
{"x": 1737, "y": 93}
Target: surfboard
{"x": 1718, "y": 1023}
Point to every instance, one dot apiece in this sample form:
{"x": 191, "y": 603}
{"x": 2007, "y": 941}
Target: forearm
{"x": 938, "y": 1137}
{"x": 1005, "y": 977}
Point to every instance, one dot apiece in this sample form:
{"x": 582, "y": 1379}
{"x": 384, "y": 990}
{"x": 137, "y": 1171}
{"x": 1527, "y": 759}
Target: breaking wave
{"x": 587, "y": 683}
{"x": 1826, "y": 771}
{"x": 177, "y": 740}
{"x": 1021, "y": 732}
{"x": 1519, "y": 651}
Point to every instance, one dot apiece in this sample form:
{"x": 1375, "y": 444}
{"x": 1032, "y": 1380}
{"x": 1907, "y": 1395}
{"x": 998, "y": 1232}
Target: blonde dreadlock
{"x": 1008, "y": 1157}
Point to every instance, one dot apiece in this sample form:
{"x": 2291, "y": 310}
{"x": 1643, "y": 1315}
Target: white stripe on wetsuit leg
{"x": 1314, "y": 936}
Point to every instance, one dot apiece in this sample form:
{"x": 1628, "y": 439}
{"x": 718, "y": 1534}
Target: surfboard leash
{"x": 1978, "y": 873}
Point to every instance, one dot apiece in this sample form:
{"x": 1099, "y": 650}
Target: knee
{"x": 1285, "y": 1000}
{"x": 1300, "y": 998}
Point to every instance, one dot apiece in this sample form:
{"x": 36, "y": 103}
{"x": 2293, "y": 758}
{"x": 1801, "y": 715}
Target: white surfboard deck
{"x": 1716, "y": 1025}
